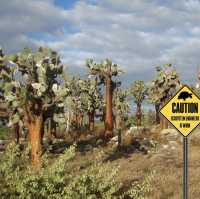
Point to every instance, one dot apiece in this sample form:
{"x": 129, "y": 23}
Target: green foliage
{"x": 140, "y": 190}
{"x": 131, "y": 121}
{"x": 91, "y": 95}
{"x": 4, "y": 74}
{"x": 33, "y": 85}
{"x": 85, "y": 95}
{"x": 120, "y": 100}
{"x": 121, "y": 106}
{"x": 138, "y": 91}
{"x": 58, "y": 179}
{"x": 4, "y": 132}
{"x": 164, "y": 85}
{"x": 104, "y": 72}
{"x": 104, "y": 69}
{"x": 55, "y": 180}
{"x": 149, "y": 118}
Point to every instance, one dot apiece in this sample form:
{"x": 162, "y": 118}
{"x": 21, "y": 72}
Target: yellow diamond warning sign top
{"x": 183, "y": 111}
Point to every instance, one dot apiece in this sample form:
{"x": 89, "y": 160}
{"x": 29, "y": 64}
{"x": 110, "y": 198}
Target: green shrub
{"x": 55, "y": 180}
{"x": 4, "y": 132}
{"x": 139, "y": 190}
{"x": 58, "y": 179}
{"x": 131, "y": 121}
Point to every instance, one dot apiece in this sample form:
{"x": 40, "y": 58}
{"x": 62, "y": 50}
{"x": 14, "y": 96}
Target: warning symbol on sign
{"x": 183, "y": 111}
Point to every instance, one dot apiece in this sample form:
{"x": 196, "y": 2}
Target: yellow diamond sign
{"x": 183, "y": 110}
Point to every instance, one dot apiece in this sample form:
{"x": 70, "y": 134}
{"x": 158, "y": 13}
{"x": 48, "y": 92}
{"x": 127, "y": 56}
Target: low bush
{"x": 139, "y": 190}
{"x": 4, "y": 132}
{"x": 58, "y": 179}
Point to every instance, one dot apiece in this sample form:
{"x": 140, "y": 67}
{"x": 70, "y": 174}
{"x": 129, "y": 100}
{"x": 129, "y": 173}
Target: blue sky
{"x": 68, "y": 4}
{"x": 136, "y": 34}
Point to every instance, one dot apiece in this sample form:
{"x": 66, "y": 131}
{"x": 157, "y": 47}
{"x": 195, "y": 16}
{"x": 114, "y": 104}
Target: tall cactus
{"x": 35, "y": 92}
{"x": 85, "y": 100}
{"x": 121, "y": 107}
{"x": 105, "y": 71}
{"x": 75, "y": 102}
{"x": 164, "y": 85}
{"x": 138, "y": 91}
{"x": 92, "y": 99}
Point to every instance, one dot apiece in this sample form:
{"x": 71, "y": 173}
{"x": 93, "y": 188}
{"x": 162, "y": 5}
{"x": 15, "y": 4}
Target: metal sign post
{"x": 185, "y": 168}
{"x": 183, "y": 112}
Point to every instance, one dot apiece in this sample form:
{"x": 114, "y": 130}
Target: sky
{"x": 138, "y": 35}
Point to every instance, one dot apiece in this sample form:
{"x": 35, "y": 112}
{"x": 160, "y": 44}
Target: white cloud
{"x": 137, "y": 34}
{"x": 22, "y": 17}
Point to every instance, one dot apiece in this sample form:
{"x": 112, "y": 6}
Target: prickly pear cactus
{"x": 138, "y": 91}
{"x": 164, "y": 85}
{"x": 4, "y": 73}
{"x": 120, "y": 101}
{"x": 121, "y": 107}
{"x": 91, "y": 95}
{"x": 104, "y": 69}
{"x": 34, "y": 83}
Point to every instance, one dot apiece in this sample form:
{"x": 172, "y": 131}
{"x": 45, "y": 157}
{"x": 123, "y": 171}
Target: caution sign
{"x": 183, "y": 111}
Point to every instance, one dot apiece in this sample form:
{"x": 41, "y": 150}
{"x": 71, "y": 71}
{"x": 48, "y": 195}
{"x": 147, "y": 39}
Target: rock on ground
{"x": 171, "y": 134}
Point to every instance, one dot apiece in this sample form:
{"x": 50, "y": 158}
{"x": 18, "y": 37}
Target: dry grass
{"x": 167, "y": 181}
{"x": 134, "y": 165}
{"x": 168, "y": 168}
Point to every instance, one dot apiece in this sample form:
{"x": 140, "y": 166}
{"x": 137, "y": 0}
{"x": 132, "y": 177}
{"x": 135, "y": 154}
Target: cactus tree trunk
{"x": 163, "y": 121}
{"x": 16, "y": 130}
{"x": 35, "y": 130}
{"x": 109, "y": 113}
{"x": 157, "y": 107}
{"x": 138, "y": 115}
{"x": 91, "y": 120}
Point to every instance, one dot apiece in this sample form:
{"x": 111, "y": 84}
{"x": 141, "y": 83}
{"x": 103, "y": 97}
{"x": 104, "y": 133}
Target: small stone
{"x": 132, "y": 128}
{"x": 170, "y": 134}
{"x": 89, "y": 137}
{"x": 99, "y": 142}
{"x": 165, "y": 146}
{"x": 155, "y": 129}
{"x": 136, "y": 131}
{"x": 114, "y": 139}
{"x": 173, "y": 143}
{"x": 88, "y": 147}
{"x": 1, "y": 142}
{"x": 173, "y": 148}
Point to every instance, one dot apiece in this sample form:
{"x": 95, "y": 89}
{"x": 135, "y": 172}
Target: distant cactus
{"x": 85, "y": 99}
{"x": 138, "y": 91}
{"x": 105, "y": 71}
{"x": 164, "y": 86}
{"x": 92, "y": 99}
{"x": 121, "y": 106}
